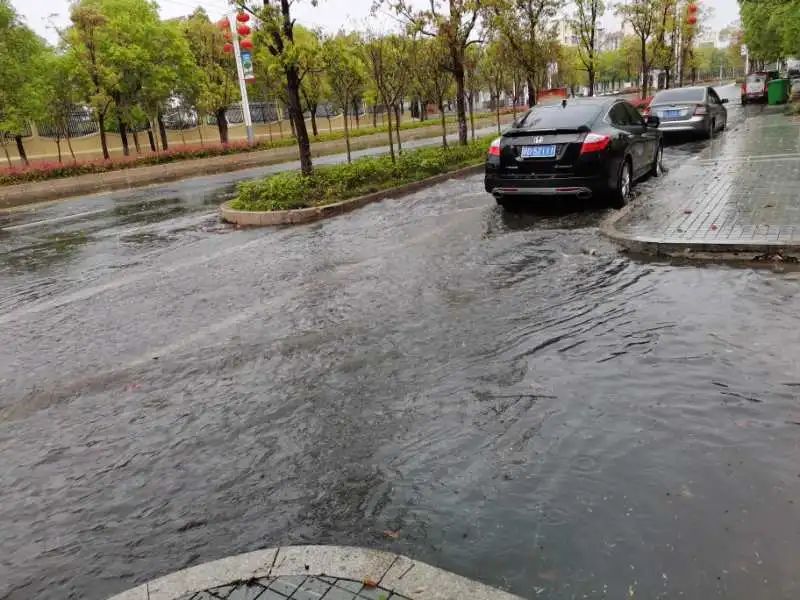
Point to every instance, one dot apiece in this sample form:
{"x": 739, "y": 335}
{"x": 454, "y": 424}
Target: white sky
{"x": 331, "y": 15}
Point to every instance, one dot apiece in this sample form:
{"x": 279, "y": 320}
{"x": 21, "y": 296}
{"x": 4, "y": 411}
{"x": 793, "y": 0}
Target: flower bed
{"x": 328, "y": 185}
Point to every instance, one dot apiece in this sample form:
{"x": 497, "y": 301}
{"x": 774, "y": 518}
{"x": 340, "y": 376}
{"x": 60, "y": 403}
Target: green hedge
{"x": 364, "y": 175}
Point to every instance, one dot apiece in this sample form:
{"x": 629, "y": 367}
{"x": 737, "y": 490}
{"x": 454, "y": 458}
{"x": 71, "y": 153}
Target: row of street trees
{"x": 771, "y": 29}
{"x": 125, "y": 64}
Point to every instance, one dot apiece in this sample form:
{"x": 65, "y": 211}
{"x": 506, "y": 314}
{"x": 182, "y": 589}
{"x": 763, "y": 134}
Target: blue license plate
{"x": 672, "y": 113}
{"x": 539, "y": 151}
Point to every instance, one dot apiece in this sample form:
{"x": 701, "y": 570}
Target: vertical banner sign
{"x": 247, "y": 66}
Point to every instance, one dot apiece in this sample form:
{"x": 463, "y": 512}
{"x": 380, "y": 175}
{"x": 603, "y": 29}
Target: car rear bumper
{"x": 582, "y": 187}
{"x": 696, "y": 124}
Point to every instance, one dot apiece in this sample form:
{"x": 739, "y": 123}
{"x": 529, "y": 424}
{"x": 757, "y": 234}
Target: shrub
{"x": 339, "y": 182}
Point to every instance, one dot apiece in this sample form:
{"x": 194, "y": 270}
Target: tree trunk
{"x": 151, "y": 138}
{"x": 497, "y": 111}
{"x": 200, "y": 134}
{"x": 136, "y": 142}
{"x": 375, "y": 117}
{"x": 314, "y": 122}
{"x": 461, "y": 108}
{"x": 391, "y": 137}
{"x": 296, "y": 115}
{"x": 355, "y": 111}
{"x": 330, "y": 127}
{"x": 531, "y": 95}
{"x": 123, "y": 133}
{"x": 101, "y": 123}
{"x": 222, "y": 125}
{"x": 397, "y": 129}
{"x": 162, "y": 130}
{"x": 472, "y": 114}
{"x": 58, "y": 146}
{"x": 346, "y": 133}
{"x": 645, "y": 70}
{"x": 590, "y": 72}
{"x": 5, "y": 149}
{"x": 444, "y": 123}
{"x": 69, "y": 144}
{"x": 21, "y": 149}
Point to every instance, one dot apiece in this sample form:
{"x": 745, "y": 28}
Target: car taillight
{"x": 700, "y": 110}
{"x": 494, "y": 148}
{"x": 595, "y": 142}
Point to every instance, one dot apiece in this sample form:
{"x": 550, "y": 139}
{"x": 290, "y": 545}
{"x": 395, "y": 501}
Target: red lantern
{"x": 692, "y": 8}
{"x": 246, "y": 44}
{"x": 242, "y": 17}
{"x": 227, "y": 48}
{"x": 691, "y": 20}
{"x": 243, "y": 30}
{"x": 223, "y": 24}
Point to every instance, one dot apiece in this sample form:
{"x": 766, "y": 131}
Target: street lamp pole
{"x": 237, "y": 52}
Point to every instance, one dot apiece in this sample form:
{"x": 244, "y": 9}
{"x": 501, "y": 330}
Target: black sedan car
{"x": 584, "y": 147}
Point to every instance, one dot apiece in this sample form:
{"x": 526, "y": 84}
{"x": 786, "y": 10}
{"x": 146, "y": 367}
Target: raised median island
{"x": 296, "y": 198}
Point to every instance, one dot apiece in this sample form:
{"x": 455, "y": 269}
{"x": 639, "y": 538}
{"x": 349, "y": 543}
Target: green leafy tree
{"x": 643, "y": 17}
{"x": 453, "y": 23}
{"x": 276, "y": 31}
{"x": 313, "y": 86}
{"x": 585, "y": 22}
{"x": 345, "y": 73}
{"x": 526, "y": 28}
{"x": 388, "y": 59}
{"x": 493, "y": 71}
{"x": 62, "y": 88}
{"x": 215, "y": 86}
{"x": 435, "y": 82}
{"x": 22, "y": 55}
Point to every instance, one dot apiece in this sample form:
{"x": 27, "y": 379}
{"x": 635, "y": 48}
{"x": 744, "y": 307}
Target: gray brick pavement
{"x": 741, "y": 193}
{"x": 296, "y": 588}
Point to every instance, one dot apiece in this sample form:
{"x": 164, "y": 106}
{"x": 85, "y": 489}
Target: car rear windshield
{"x": 680, "y": 95}
{"x": 573, "y": 115}
{"x": 755, "y": 78}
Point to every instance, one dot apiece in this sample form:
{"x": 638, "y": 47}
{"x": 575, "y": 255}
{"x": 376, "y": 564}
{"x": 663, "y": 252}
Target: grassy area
{"x": 56, "y": 170}
{"x": 363, "y": 176}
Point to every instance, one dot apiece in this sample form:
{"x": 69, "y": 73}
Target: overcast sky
{"x": 329, "y": 14}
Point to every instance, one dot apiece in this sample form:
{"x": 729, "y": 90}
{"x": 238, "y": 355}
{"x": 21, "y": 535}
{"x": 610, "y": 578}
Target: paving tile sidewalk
{"x": 740, "y": 195}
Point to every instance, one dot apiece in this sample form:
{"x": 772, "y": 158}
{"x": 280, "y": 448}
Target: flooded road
{"x": 520, "y": 402}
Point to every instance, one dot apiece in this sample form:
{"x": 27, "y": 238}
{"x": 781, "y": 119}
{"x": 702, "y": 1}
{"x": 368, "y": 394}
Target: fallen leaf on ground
{"x": 370, "y": 583}
{"x": 391, "y": 534}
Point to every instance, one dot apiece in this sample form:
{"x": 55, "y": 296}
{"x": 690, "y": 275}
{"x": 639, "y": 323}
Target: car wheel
{"x": 744, "y": 100}
{"x": 624, "y": 185}
{"x": 505, "y": 203}
{"x": 657, "y": 169}
{"x": 709, "y": 133}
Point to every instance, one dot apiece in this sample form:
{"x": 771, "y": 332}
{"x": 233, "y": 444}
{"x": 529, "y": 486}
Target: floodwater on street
{"x": 520, "y": 402}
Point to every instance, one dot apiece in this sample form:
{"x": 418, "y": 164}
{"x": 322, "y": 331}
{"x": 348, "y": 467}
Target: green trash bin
{"x": 778, "y": 91}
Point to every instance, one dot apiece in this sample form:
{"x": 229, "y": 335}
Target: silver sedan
{"x": 691, "y": 109}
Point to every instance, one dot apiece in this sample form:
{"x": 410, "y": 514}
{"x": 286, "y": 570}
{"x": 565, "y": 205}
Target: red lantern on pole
{"x": 223, "y": 24}
{"x": 227, "y": 48}
{"x": 246, "y": 44}
{"x": 243, "y": 30}
{"x": 692, "y": 8}
{"x": 691, "y": 19}
{"x": 243, "y": 17}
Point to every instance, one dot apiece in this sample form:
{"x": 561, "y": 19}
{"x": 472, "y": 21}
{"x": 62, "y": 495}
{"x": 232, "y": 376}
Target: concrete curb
{"x": 725, "y": 251}
{"x": 248, "y": 218}
{"x": 400, "y": 574}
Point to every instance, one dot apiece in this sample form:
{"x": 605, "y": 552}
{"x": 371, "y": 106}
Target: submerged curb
{"x": 732, "y": 251}
{"x": 399, "y": 574}
{"x": 249, "y": 218}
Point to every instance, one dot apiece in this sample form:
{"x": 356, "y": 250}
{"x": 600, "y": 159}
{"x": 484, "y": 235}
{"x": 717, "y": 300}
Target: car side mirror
{"x": 723, "y": 100}
{"x": 653, "y": 121}
{"x": 514, "y": 124}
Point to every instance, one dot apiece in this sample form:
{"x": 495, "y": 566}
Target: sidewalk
{"x": 54, "y": 189}
{"x": 739, "y": 198}
{"x": 314, "y": 573}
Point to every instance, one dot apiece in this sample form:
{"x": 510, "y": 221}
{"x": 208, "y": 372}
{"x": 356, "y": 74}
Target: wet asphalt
{"x": 507, "y": 394}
